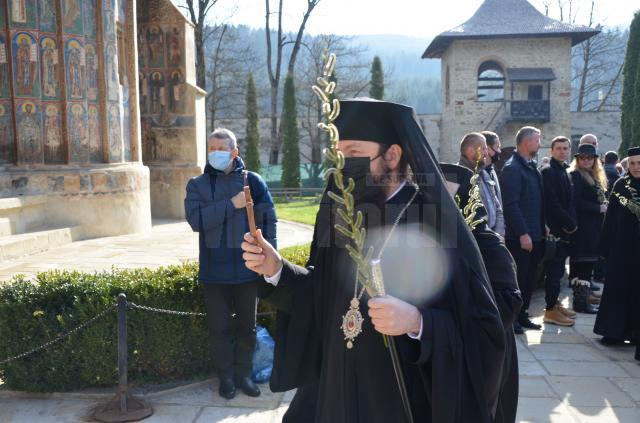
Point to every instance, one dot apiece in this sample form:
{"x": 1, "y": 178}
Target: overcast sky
{"x": 418, "y": 18}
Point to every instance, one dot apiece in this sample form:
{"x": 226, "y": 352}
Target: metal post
{"x": 122, "y": 408}
{"x": 122, "y": 352}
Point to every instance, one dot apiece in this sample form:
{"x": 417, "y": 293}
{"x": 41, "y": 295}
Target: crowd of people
{"x": 560, "y": 210}
{"x": 496, "y": 231}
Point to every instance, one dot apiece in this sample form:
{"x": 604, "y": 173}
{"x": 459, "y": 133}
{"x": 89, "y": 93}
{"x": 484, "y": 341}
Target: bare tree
{"x": 275, "y": 72}
{"x": 227, "y": 72}
{"x": 597, "y": 62}
{"x": 197, "y": 12}
{"x": 352, "y": 74}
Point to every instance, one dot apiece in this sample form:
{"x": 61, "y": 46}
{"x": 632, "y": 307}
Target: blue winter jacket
{"x": 522, "y": 199}
{"x": 209, "y": 211}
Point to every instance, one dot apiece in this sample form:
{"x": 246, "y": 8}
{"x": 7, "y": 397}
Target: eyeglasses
{"x": 581, "y": 157}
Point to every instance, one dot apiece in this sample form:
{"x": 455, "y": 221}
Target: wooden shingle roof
{"x": 508, "y": 19}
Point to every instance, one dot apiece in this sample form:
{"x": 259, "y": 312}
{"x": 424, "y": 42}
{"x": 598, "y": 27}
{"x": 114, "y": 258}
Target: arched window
{"x": 490, "y": 82}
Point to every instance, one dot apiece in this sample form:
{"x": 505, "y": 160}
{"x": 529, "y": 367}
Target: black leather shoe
{"x": 248, "y": 386}
{"x": 227, "y": 388}
{"x": 517, "y": 329}
{"x": 526, "y": 323}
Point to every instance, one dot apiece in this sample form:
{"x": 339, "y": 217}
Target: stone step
{"x": 5, "y": 227}
{"x": 15, "y": 246}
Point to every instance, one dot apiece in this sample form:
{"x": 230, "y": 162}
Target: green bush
{"x": 161, "y": 347}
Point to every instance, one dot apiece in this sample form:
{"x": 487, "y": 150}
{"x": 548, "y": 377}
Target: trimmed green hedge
{"x": 161, "y": 347}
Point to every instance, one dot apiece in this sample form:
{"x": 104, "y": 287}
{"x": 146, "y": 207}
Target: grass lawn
{"x": 301, "y": 210}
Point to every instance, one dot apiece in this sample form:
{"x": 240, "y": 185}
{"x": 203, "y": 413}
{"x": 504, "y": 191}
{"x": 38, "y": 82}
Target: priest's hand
{"x": 394, "y": 317}
{"x": 260, "y": 256}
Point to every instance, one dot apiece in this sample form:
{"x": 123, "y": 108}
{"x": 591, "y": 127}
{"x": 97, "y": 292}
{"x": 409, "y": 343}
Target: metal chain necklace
{"x": 352, "y": 320}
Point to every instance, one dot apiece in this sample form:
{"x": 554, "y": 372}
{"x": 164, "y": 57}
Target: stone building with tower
{"x": 101, "y": 122}
{"x": 506, "y": 67}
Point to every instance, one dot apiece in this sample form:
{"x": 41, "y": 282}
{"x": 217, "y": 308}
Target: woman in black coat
{"x": 589, "y": 188}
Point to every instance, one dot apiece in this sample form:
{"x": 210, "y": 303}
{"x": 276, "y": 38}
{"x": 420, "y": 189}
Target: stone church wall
{"x": 69, "y": 113}
{"x": 171, "y": 105}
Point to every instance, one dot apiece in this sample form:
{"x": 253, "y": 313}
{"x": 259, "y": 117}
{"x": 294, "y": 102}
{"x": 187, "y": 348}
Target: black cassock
{"x": 453, "y": 374}
{"x": 619, "y": 313}
{"x": 501, "y": 269}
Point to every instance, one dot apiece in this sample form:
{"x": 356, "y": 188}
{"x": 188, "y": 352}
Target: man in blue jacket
{"x": 215, "y": 207}
{"x": 522, "y": 197}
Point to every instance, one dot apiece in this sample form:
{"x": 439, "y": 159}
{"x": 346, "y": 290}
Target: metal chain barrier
{"x": 61, "y": 336}
{"x": 164, "y": 311}
{"x": 109, "y": 308}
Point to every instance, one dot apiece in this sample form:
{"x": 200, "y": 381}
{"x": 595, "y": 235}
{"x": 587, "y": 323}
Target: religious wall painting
{"x": 142, "y": 47}
{"x": 91, "y": 59}
{"x": 94, "y": 134}
{"x": 174, "y": 47}
{"x": 122, "y": 10}
{"x": 89, "y": 14}
{"x": 126, "y": 120}
{"x": 109, "y": 17}
{"x": 72, "y": 16}
{"x": 75, "y": 58}
{"x": 53, "y": 145}
{"x": 176, "y": 91}
{"x": 114, "y": 132}
{"x": 111, "y": 67}
{"x": 49, "y": 72}
{"x": 2, "y": 21}
{"x": 157, "y": 101}
{"x": 155, "y": 47}
{"x": 25, "y": 56}
{"x": 6, "y": 134}
{"x": 22, "y": 14}
{"x": 143, "y": 92}
{"x": 77, "y": 132}
{"x": 5, "y": 91}
{"x": 47, "y": 10}
{"x": 28, "y": 122}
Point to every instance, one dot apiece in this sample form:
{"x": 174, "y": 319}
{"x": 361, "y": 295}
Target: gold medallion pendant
{"x": 352, "y": 322}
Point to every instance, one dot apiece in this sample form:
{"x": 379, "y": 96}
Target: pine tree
{"x": 290, "y": 137}
{"x": 376, "y": 89}
{"x": 252, "y": 136}
{"x": 630, "y": 116}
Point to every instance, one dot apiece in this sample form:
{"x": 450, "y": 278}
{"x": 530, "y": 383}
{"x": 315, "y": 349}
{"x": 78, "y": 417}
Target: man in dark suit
{"x": 560, "y": 215}
{"x": 522, "y": 197}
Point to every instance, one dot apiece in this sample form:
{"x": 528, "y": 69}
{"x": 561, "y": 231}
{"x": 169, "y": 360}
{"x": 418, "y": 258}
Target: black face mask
{"x": 366, "y": 192}
{"x": 496, "y": 157}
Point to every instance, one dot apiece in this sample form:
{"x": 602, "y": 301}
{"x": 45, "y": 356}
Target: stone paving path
{"x": 566, "y": 376}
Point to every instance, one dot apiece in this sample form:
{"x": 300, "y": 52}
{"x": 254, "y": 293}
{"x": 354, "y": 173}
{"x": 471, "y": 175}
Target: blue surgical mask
{"x": 219, "y": 160}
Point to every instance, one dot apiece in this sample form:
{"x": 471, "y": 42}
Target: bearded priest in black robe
{"x": 439, "y": 311}
{"x": 501, "y": 269}
{"x": 618, "y": 316}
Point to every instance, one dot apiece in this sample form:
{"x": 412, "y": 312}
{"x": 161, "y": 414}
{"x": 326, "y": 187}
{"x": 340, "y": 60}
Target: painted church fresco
{"x": 50, "y": 80}
{"x": 75, "y": 59}
{"x": 5, "y": 92}
{"x": 155, "y": 47}
{"x": 22, "y": 13}
{"x": 89, "y": 14}
{"x": 25, "y": 61}
{"x": 45, "y": 123}
{"x": 93, "y": 134}
{"x": 6, "y": 133}
{"x": 28, "y": 124}
{"x": 77, "y": 124}
{"x": 47, "y": 9}
{"x": 91, "y": 68}
{"x": 53, "y": 145}
{"x": 72, "y": 16}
